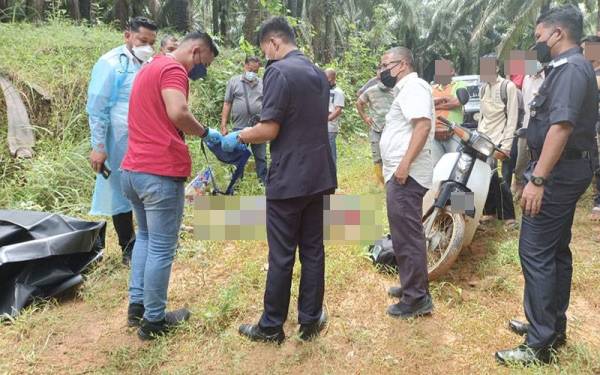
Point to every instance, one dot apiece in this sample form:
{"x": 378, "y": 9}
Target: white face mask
{"x": 250, "y": 76}
{"x": 143, "y": 53}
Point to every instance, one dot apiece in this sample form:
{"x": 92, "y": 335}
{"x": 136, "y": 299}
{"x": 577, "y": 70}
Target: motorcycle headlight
{"x": 483, "y": 145}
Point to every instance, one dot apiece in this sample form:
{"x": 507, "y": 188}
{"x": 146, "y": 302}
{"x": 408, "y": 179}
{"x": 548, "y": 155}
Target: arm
{"x": 360, "y": 107}
{"x": 422, "y": 126}
{"x": 225, "y": 117}
{"x": 179, "y": 112}
{"x": 448, "y": 102}
{"x": 554, "y": 145}
{"x": 512, "y": 117}
{"x": 260, "y": 133}
{"x": 98, "y": 109}
{"x": 335, "y": 114}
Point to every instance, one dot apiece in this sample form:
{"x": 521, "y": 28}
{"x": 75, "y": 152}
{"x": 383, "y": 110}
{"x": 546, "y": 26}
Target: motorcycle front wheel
{"x": 444, "y": 232}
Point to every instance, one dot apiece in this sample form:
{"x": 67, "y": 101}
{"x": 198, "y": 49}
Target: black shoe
{"x": 395, "y": 292}
{"x": 151, "y": 330}
{"x": 255, "y": 333}
{"x": 308, "y": 332}
{"x": 524, "y": 355}
{"x": 127, "y": 251}
{"x": 404, "y": 311}
{"x": 135, "y": 313}
{"x": 521, "y": 328}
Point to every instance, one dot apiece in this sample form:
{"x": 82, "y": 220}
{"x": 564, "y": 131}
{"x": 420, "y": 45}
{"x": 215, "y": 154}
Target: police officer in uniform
{"x": 561, "y": 138}
{"x": 294, "y": 118}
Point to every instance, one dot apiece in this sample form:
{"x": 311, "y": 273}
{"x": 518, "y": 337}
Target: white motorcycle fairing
{"x": 478, "y": 183}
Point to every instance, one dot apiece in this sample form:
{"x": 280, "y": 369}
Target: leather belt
{"x": 568, "y": 154}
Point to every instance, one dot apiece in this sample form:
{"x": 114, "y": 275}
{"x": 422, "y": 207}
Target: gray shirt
{"x": 234, "y": 94}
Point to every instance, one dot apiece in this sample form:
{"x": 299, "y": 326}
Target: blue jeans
{"x": 333, "y": 146}
{"x": 157, "y": 203}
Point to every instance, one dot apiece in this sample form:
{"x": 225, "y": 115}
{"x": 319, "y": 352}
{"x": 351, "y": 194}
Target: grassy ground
{"x": 223, "y": 282}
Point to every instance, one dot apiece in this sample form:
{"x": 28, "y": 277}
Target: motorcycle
{"x": 454, "y": 204}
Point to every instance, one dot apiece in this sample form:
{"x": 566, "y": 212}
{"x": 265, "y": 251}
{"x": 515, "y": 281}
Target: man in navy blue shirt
{"x": 561, "y": 138}
{"x": 302, "y": 172}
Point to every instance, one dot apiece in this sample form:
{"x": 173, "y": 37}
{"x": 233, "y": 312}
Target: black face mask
{"x": 331, "y": 85}
{"x": 387, "y": 79}
{"x": 543, "y": 50}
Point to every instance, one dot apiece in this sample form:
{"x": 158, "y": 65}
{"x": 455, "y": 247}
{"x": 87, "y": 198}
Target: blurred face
{"x": 488, "y": 69}
{"x": 443, "y": 72}
{"x": 252, "y": 66}
{"x": 139, "y": 38}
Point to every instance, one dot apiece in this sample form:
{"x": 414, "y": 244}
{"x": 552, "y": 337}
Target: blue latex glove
{"x": 229, "y": 142}
{"x": 213, "y": 137}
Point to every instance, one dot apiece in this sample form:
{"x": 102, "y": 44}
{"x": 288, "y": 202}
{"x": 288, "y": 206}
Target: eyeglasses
{"x": 384, "y": 66}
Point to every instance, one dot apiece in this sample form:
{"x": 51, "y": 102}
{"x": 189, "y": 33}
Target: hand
{"x": 97, "y": 158}
{"x": 531, "y": 200}
{"x": 501, "y": 155}
{"x": 370, "y": 122}
{"x": 401, "y": 173}
{"x": 224, "y": 130}
{"x": 230, "y": 141}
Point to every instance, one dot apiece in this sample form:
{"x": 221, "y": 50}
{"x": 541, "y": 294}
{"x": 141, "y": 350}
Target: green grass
{"x": 222, "y": 282}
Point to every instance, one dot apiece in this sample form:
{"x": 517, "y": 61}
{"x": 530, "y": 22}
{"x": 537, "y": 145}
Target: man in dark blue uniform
{"x": 302, "y": 171}
{"x": 561, "y": 139}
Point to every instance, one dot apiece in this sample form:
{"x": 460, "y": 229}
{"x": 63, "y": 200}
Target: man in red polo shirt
{"x": 155, "y": 166}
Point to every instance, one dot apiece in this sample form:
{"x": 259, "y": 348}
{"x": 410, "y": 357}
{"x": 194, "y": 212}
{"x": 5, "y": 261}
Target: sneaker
{"x": 255, "y": 333}
{"x": 405, "y": 311}
{"x": 151, "y": 330}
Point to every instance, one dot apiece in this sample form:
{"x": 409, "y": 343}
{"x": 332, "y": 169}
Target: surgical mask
{"x": 544, "y": 50}
{"x": 143, "y": 53}
{"x": 387, "y": 79}
{"x": 250, "y": 76}
{"x": 197, "y": 72}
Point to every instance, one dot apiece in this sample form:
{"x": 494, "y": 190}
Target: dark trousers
{"x": 259, "y": 151}
{"x": 124, "y": 227}
{"x": 404, "y": 210}
{"x": 545, "y": 254}
{"x": 291, "y": 223}
{"x": 500, "y": 200}
{"x": 596, "y": 169}
{"x": 508, "y": 165}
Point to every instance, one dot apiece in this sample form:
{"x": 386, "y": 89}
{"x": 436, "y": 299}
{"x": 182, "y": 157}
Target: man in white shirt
{"x": 408, "y": 171}
{"x": 336, "y": 104}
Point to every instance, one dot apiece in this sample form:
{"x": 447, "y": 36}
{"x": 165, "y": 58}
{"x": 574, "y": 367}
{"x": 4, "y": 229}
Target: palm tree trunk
{"x": 329, "y": 32}
{"x": 121, "y": 12}
{"x": 251, "y": 20}
{"x": 36, "y": 9}
{"x": 224, "y": 20}
{"x": 216, "y": 10}
{"x": 154, "y": 7}
{"x": 74, "y": 12}
{"x": 85, "y": 9}
{"x": 598, "y": 18}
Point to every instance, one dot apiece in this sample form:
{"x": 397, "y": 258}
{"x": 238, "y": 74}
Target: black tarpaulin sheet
{"x": 43, "y": 254}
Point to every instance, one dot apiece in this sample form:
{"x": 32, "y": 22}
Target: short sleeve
{"x": 339, "y": 98}
{"x": 174, "y": 77}
{"x": 229, "y": 92}
{"x": 415, "y": 101}
{"x": 276, "y": 96}
{"x": 364, "y": 97}
{"x": 568, "y": 94}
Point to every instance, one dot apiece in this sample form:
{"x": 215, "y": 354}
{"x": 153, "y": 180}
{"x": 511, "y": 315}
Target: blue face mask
{"x": 197, "y": 72}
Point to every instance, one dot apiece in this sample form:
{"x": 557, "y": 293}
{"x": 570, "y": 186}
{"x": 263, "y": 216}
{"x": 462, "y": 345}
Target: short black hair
{"x": 135, "y": 23}
{"x": 251, "y": 59}
{"x": 279, "y": 27}
{"x": 201, "y": 35}
{"x": 568, "y": 17}
{"x": 591, "y": 39}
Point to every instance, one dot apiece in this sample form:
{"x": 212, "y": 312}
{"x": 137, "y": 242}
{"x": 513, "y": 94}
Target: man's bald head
{"x": 331, "y": 75}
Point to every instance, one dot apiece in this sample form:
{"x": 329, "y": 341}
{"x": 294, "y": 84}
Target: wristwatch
{"x": 538, "y": 181}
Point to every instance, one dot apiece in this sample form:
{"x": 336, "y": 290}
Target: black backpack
{"x": 382, "y": 254}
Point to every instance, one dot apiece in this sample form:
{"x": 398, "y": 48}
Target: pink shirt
{"x": 155, "y": 145}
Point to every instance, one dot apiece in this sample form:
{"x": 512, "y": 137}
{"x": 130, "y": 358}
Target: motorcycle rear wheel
{"x": 444, "y": 241}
